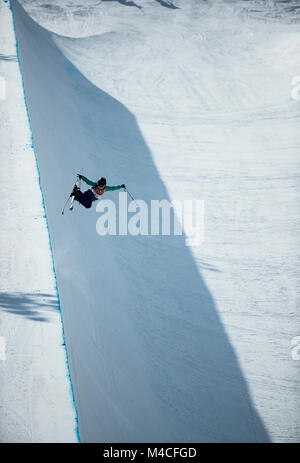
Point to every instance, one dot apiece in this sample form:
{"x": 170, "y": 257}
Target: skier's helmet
{"x": 101, "y": 182}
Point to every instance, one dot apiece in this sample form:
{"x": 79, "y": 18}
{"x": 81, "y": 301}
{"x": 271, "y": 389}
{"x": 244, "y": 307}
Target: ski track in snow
{"x": 197, "y": 104}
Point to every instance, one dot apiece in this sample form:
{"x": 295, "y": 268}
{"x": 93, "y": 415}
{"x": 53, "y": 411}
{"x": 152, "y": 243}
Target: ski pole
{"x": 130, "y": 195}
{"x": 71, "y": 207}
{"x": 63, "y": 211}
{"x": 81, "y": 170}
{"x": 79, "y": 186}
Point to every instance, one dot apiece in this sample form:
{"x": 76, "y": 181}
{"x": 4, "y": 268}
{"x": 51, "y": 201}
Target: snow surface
{"x": 183, "y": 99}
{"x": 36, "y": 403}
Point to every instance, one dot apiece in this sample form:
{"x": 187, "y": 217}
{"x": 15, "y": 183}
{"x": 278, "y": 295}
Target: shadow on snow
{"x": 34, "y": 306}
{"x": 160, "y": 365}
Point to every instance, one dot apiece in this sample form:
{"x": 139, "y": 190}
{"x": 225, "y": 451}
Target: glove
{"x": 123, "y": 186}
{"x": 79, "y": 176}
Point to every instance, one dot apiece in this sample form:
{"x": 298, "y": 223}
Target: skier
{"x": 98, "y": 188}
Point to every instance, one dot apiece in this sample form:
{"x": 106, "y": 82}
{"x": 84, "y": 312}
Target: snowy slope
{"x": 36, "y": 403}
{"x": 168, "y": 343}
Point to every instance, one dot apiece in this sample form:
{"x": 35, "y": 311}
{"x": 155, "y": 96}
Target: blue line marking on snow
{"x": 47, "y": 227}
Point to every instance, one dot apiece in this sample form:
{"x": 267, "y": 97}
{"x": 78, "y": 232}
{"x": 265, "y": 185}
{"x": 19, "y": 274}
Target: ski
{"x": 71, "y": 205}
{"x": 77, "y": 184}
{"x": 63, "y": 211}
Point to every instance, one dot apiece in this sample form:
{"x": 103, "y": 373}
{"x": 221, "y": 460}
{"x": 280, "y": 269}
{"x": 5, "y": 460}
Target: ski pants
{"x": 85, "y": 198}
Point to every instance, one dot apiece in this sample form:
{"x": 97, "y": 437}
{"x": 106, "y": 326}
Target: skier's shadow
{"x": 166, "y": 4}
{"x": 7, "y": 57}
{"x": 147, "y": 347}
{"x": 34, "y": 306}
{"x": 125, "y": 3}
